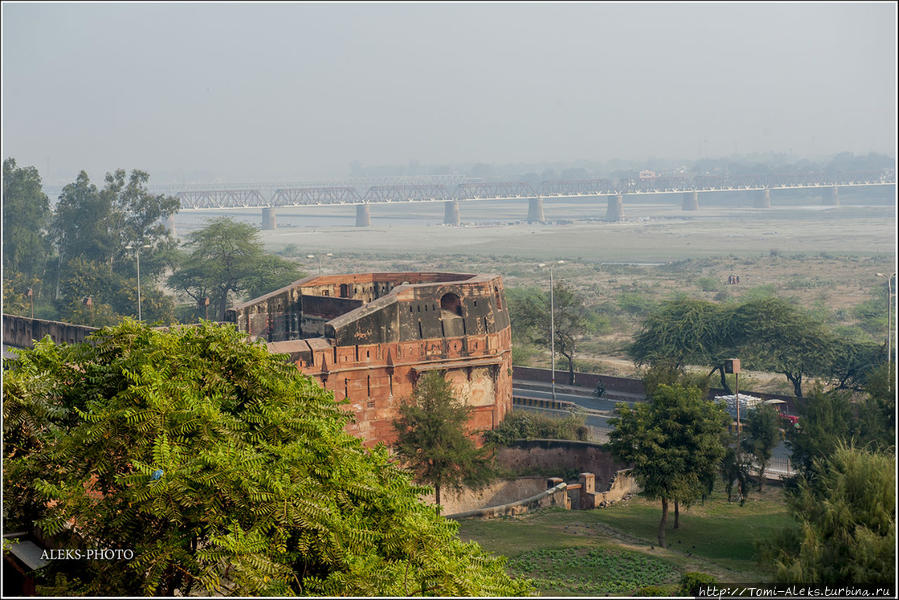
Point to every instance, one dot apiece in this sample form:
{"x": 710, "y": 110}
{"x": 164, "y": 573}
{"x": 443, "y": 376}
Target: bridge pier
{"x": 363, "y": 215}
{"x": 763, "y": 199}
{"x": 451, "y": 213}
{"x": 834, "y": 199}
{"x": 691, "y": 201}
{"x": 268, "y": 218}
{"x": 614, "y": 208}
{"x": 535, "y": 211}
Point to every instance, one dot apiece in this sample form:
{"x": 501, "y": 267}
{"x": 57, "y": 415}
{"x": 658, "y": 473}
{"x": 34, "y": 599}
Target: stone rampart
{"x": 21, "y": 332}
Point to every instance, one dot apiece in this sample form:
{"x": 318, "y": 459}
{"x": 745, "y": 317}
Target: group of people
{"x": 733, "y": 279}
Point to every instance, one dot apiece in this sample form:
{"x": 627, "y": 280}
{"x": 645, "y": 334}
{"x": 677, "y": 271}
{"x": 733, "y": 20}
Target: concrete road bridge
{"x": 452, "y": 194}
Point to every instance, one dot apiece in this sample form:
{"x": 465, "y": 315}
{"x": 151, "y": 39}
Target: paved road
{"x": 586, "y": 401}
{"x": 605, "y": 406}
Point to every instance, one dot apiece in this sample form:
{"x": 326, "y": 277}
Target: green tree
{"x": 271, "y": 272}
{"x": 767, "y": 333}
{"x": 532, "y": 313}
{"x": 828, "y": 419}
{"x": 824, "y": 420}
{"x": 99, "y": 225}
{"x": 735, "y": 469}
{"x": 846, "y": 523}
{"x": 686, "y": 332}
{"x": 762, "y": 436}
{"x": 432, "y": 439}
{"x": 673, "y": 442}
{"x": 97, "y": 233}
{"x": 854, "y": 361}
{"x": 223, "y": 468}
{"x": 81, "y": 222}
{"x": 26, "y": 213}
{"x": 226, "y": 258}
{"x": 777, "y": 336}
{"x": 112, "y": 295}
{"x": 877, "y": 411}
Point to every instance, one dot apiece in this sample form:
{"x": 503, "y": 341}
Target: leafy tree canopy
{"x": 829, "y": 419}
{"x": 674, "y": 442}
{"x": 223, "y": 468}
{"x": 226, "y": 258}
{"x": 109, "y": 225}
{"x": 26, "y": 213}
{"x": 530, "y": 313}
{"x": 846, "y": 523}
{"x": 767, "y": 333}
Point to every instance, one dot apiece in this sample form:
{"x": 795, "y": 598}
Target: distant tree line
{"x": 78, "y": 261}
{"x": 767, "y": 334}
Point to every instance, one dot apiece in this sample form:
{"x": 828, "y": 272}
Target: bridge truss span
{"x": 407, "y": 193}
{"x": 511, "y": 190}
{"x": 494, "y": 190}
{"x": 221, "y": 199}
{"x": 315, "y": 196}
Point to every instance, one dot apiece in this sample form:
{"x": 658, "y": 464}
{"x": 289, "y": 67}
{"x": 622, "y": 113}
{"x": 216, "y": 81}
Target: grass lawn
{"x": 614, "y": 551}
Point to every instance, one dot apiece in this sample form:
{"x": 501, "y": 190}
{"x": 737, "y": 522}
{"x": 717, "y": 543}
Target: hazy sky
{"x": 299, "y": 91}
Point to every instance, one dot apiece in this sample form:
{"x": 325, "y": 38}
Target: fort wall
{"x": 368, "y": 337}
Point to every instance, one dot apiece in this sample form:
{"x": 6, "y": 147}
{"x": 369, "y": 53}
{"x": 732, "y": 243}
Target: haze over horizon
{"x": 239, "y": 92}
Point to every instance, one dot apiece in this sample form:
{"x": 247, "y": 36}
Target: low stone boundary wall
{"x": 554, "y": 496}
{"x": 493, "y": 494}
{"x": 618, "y": 384}
{"x": 559, "y": 456}
{"x": 20, "y": 332}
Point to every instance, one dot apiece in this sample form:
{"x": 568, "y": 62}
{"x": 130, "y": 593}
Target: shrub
{"x": 524, "y": 425}
{"x": 652, "y": 590}
{"x": 693, "y": 581}
{"x": 707, "y": 284}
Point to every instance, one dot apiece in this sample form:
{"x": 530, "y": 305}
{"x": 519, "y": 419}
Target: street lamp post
{"x": 137, "y": 251}
{"x": 30, "y": 294}
{"x": 552, "y": 325}
{"x": 889, "y": 279}
{"x": 329, "y": 254}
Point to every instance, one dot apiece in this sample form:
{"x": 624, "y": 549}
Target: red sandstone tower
{"x": 369, "y": 336}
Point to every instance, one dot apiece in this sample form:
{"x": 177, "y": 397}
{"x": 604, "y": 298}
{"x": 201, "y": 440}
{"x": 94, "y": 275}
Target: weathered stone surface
{"x": 369, "y": 336}
{"x": 22, "y": 332}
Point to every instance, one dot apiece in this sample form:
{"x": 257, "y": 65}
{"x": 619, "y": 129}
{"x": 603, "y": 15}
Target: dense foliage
{"x": 223, "y": 468}
{"x": 844, "y": 496}
{"x": 226, "y": 258}
{"x": 762, "y": 434}
{"x": 846, "y": 523}
{"x": 98, "y": 233}
{"x": 432, "y": 438}
{"x": 827, "y": 419}
{"x": 26, "y": 213}
{"x": 530, "y": 314}
{"x": 674, "y": 442}
{"x": 524, "y": 425}
{"x": 768, "y": 334}
{"x": 86, "y": 248}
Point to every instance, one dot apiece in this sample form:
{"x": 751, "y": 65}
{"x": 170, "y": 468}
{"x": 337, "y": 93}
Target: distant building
{"x": 369, "y": 337}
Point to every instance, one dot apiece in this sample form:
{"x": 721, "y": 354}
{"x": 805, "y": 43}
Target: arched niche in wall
{"x": 452, "y": 304}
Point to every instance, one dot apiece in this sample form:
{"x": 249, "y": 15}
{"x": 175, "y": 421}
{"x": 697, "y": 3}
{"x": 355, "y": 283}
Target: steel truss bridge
{"x": 345, "y": 195}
